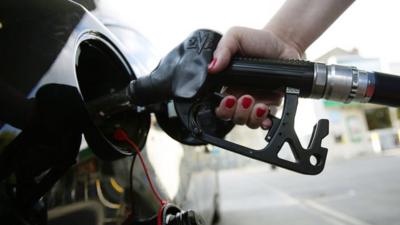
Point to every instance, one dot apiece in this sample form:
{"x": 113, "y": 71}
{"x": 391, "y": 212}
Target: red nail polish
{"x": 229, "y": 103}
{"x": 246, "y": 102}
{"x": 212, "y": 63}
{"x": 260, "y": 112}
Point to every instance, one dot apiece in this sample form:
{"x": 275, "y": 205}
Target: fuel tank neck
{"x": 101, "y": 70}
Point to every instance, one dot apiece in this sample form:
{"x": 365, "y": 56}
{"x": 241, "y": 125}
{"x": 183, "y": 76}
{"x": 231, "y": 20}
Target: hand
{"x": 246, "y": 106}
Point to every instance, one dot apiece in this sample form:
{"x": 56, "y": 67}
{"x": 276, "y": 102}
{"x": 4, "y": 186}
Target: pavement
{"x": 358, "y": 191}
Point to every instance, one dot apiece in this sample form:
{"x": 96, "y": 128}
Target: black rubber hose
{"x": 387, "y": 90}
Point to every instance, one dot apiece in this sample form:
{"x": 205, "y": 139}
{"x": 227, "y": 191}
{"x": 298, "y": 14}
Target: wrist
{"x": 291, "y": 48}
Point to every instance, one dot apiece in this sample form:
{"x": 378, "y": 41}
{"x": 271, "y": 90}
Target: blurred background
{"x": 361, "y": 183}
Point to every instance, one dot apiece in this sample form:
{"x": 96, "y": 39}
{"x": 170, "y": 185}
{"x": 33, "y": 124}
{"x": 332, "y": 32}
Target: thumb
{"x": 227, "y": 47}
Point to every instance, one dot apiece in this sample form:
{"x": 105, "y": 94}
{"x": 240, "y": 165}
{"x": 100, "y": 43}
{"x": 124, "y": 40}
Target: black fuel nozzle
{"x": 185, "y": 218}
{"x": 181, "y": 74}
{"x": 110, "y": 104}
{"x": 182, "y": 78}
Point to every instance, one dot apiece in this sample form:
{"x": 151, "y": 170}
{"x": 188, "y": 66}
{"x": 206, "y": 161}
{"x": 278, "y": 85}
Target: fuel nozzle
{"x": 342, "y": 83}
{"x": 182, "y": 77}
{"x": 111, "y": 104}
{"x": 185, "y": 218}
{"x": 314, "y": 80}
{"x": 349, "y": 84}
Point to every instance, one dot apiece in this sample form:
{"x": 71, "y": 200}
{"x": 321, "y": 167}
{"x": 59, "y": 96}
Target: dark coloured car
{"x": 49, "y": 51}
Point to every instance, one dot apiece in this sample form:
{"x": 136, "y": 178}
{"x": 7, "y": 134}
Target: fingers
{"x": 251, "y": 108}
{"x": 257, "y": 116}
{"x": 248, "y": 42}
{"x": 227, "y": 47}
{"x": 266, "y": 124}
{"x": 226, "y": 108}
{"x": 231, "y": 43}
{"x": 244, "y": 111}
{"x": 268, "y": 97}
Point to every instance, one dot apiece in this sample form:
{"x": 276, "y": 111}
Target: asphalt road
{"x": 362, "y": 191}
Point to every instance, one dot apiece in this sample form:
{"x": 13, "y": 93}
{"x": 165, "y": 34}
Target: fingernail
{"x": 260, "y": 112}
{"x": 246, "y": 102}
{"x": 229, "y": 103}
{"x": 212, "y": 63}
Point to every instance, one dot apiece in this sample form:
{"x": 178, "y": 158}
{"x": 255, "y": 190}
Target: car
{"x": 57, "y": 46}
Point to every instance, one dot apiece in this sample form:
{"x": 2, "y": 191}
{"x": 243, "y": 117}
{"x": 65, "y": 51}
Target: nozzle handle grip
{"x": 269, "y": 74}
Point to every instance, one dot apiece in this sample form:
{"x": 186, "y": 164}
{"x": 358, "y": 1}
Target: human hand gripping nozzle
{"x": 182, "y": 77}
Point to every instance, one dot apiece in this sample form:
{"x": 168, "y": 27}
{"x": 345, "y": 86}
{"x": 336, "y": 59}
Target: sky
{"x": 369, "y": 25}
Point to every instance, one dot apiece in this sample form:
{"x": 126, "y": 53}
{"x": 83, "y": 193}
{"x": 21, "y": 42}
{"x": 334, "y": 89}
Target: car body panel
{"x": 97, "y": 191}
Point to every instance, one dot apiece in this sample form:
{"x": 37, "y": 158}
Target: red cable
{"x": 160, "y": 215}
{"x": 121, "y": 135}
